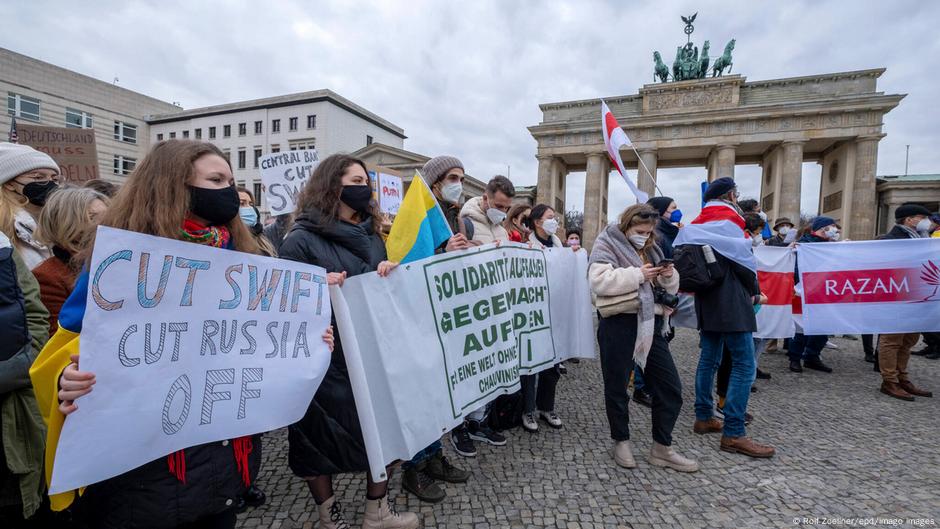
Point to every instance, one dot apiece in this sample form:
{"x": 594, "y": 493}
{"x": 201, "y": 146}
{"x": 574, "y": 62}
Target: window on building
{"x": 211, "y": 133}
{"x": 275, "y": 126}
{"x": 186, "y": 134}
{"x": 160, "y": 137}
{"x": 77, "y": 119}
{"x": 125, "y": 132}
{"x": 227, "y": 154}
{"x": 23, "y": 106}
{"x": 226, "y": 131}
{"x": 172, "y": 135}
{"x": 258, "y": 127}
{"x": 368, "y": 140}
{"x": 257, "y": 156}
{"x": 242, "y": 129}
{"x": 198, "y": 133}
{"x": 302, "y": 145}
{"x": 275, "y": 148}
{"x": 292, "y": 124}
{"x": 241, "y": 158}
{"x": 124, "y": 165}
{"x": 257, "y": 190}
{"x": 312, "y": 121}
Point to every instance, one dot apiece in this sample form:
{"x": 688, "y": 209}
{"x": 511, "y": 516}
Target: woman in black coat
{"x": 337, "y": 229}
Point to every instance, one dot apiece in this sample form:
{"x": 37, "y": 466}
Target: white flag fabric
{"x": 614, "y": 139}
{"x": 775, "y": 267}
{"x": 870, "y": 287}
{"x": 443, "y": 336}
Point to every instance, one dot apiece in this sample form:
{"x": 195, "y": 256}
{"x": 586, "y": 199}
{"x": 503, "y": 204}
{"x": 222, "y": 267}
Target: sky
{"x": 466, "y": 78}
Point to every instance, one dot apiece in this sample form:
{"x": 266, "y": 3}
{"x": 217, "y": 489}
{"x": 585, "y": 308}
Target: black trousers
{"x": 868, "y": 344}
{"x": 616, "y": 337}
{"x": 222, "y": 520}
{"x": 932, "y": 339}
{"x": 538, "y": 391}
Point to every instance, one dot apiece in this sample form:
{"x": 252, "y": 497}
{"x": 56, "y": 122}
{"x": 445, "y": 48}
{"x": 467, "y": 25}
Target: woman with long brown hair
{"x": 634, "y": 292}
{"x": 182, "y": 190}
{"x": 337, "y": 228}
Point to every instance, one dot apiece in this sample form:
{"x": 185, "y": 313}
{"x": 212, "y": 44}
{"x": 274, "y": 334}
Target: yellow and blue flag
{"x": 420, "y": 226}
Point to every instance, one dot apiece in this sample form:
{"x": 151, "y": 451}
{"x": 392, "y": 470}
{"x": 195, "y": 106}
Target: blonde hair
{"x": 64, "y": 220}
{"x": 637, "y": 215}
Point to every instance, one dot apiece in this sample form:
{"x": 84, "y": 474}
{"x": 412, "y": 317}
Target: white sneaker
{"x": 831, "y": 345}
{"x": 623, "y": 454}
{"x": 551, "y": 418}
{"x": 529, "y": 423}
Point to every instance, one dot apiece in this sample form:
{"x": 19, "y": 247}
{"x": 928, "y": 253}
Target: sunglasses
{"x": 647, "y": 215}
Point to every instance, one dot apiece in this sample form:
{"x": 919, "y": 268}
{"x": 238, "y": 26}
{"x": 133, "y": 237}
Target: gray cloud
{"x": 466, "y": 79}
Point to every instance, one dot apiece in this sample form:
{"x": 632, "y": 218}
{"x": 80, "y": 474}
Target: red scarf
{"x": 714, "y": 212}
{"x": 219, "y": 237}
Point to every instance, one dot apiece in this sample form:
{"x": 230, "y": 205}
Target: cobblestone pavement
{"x": 844, "y": 450}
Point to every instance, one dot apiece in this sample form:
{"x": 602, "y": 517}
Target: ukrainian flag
{"x": 420, "y": 226}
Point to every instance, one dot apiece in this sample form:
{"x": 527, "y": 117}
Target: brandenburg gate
{"x": 721, "y": 121}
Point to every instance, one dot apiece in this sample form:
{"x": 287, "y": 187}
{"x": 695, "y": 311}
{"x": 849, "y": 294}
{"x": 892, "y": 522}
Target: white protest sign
{"x": 443, "y": 336}
{"x": 283, "y": 175}
{"x": 189, "y": 344}
{"x": 390, "y": 193}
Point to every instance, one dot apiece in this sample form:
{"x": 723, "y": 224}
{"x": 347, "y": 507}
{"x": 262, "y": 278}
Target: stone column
{"x": 545, "y": 188}
{"x": 861, "y": 225}
{"x": 791, "y": 180}
{"x": 559, "y": 172}
{"x": 646, "y": 176}
{"x": 595, "y": 186}
{"x": 724, "y": 161}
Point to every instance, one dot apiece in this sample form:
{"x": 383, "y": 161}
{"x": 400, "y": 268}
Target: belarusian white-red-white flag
{"x": 614, "y": 139}
{"x": 775, "y": 275}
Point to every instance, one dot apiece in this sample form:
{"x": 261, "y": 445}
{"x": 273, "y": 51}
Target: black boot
{"x": 817, "y": 365}
{"x": 795, "y": 366}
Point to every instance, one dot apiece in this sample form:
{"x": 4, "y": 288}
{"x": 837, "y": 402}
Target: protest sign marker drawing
{"x": 283, "y": 175}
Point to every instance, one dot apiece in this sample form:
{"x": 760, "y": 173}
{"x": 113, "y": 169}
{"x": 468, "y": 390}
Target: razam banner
{"x": 443, "y": 336}
{"x": 189, "y": 344}
{"x": 870, "y": 287}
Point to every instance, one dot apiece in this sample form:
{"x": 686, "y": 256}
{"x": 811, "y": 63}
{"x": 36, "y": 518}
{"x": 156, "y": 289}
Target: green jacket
{"x": 21, "y": 427}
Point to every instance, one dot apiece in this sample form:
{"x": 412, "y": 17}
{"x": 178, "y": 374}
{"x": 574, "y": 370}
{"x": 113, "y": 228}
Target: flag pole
{"x": 649, "y": 174}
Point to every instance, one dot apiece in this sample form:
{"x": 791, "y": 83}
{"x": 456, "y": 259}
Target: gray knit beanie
{"x": 437, "y": 167}
{"x": 16, "y": 159}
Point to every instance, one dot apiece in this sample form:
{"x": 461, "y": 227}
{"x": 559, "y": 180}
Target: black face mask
{"x": 218, "y": 206}
{"x": 38, "y": 192}
{"x": 357, "y": 197}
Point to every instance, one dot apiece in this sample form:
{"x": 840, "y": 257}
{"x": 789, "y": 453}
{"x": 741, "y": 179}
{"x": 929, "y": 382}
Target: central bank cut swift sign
{"x": 486, "y": 341}
{"x": 442, "y": 337}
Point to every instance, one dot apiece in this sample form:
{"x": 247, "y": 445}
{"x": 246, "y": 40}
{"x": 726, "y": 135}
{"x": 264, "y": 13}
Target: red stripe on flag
{"x": 777, "y": 286}
{"x": 864, "y": 286}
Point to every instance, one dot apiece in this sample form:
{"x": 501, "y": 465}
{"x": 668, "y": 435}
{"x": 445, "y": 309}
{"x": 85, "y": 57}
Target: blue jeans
{"x": 424, "y": 455}
{"x": 804, "y": 347}
{"x": 638, "y": 382}
{"x": 743, "y": 370}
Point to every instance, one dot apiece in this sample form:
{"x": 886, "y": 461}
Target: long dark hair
{"x": 325, "y": 186}
{"x": 538, "y": 211}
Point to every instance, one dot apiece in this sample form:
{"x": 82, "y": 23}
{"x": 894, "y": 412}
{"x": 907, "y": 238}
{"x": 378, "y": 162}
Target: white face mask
{"x": 783, "y": 230}
{"x": 452, "y": 192}
{"x": 756, "y": 240}
{"x": 550, "y": 226}
{"x": 762, "y": 215}
{"x": 496, "y": 216}
{"x": 638, "y": 240}
{"x": 574, "y": 242}
{"x": 832, "y": 234}
{"x": 923, "y": 225}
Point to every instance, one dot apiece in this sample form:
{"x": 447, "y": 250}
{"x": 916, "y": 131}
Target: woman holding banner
{"x": 337, "y": 228}
{"x": 192, "y": 187}
{"x": 633, "y": 291}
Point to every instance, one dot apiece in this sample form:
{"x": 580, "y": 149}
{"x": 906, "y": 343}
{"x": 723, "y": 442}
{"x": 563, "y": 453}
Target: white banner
{"x": 189, "y": 344}
{"x": 441, "y": 337}
{"x": 283, "y": 175}
{"x": 775, "y": 268}
{"x": 390, "y": 193}
{"x": 870, "y": 287}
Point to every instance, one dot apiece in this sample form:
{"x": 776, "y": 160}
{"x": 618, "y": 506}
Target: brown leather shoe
{"x": 892, "y": 389}
{"x": 744, "y": 445}
{"x": 712, "y": 425}
{"x": 909, "y": 387}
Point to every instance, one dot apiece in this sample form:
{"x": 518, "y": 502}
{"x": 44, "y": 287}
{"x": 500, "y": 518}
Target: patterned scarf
{"x": 219, "y": 237}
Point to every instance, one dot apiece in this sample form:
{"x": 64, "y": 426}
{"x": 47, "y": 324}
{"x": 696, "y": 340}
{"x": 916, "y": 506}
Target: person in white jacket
{"x": 632, "y": 286}
{"x": 488, "y": 212}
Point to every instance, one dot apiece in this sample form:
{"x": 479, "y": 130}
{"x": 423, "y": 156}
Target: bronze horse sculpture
{"x": 724, "y": 61}
{"x": 661, "y": 71}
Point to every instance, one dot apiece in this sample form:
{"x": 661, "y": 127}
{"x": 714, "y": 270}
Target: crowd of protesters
{"x": 185, "y": 190}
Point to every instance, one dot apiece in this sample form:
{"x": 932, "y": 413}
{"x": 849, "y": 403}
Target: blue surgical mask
{"x": 249, "y": 215}
{"x": 676, "y": 216}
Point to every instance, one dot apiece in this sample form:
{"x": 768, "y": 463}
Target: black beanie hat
{"x": 660, "y": 204}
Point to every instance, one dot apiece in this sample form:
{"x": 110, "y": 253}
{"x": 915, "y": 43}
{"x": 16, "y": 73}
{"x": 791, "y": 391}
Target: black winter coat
{"x": 728, "y": 306}
{"x": 328, "y": 439}
{"x": 151, "y": 497}
{"x": 897, "y": 232}
{"x": 666, "y": 233}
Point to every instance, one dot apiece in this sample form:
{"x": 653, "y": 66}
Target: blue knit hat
{"x": 821, "y": 222}
{"x": 719, "y": 187}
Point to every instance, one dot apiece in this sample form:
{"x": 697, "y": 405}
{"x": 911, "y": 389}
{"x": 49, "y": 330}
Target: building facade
{"x": 44, "y": 94}
{"x": 894, "y": 190}
{"x": 245, "y": 131}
